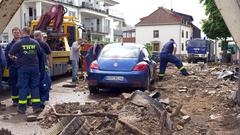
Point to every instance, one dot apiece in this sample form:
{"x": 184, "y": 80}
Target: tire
{"x": 148, "y": 84}
{"x": 93, "y": 89}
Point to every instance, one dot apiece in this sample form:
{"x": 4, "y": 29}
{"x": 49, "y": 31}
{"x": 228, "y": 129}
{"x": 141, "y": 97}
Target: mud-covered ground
{"x": 205, "y": 99}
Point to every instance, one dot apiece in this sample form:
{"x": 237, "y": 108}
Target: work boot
{"x": 37, "y": 110}
{"x": 160, "y": 78}
{"x": 15, "y": 104}
{"x": 42, "y": 106}
{"x": 21, "y": 111}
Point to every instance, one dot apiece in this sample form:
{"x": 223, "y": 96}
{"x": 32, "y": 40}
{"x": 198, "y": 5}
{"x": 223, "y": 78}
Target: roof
{"x": 163, "y": 16}
{"x": 185, "y": 16}
{"x": 127, "y": 45}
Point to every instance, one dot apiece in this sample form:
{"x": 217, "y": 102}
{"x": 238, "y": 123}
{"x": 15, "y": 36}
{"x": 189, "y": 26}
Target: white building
{"x": 96, "y": 16}
{"x": 164, "y": 24}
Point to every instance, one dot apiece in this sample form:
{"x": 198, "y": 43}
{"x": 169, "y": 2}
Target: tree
{"x": 214, "y": 26}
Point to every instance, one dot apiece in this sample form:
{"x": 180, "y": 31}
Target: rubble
{"x": 138, "y": 114}
{"x": 194, "y": 105}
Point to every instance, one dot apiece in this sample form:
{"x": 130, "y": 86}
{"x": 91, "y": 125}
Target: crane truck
{"x": 62, "y": 32}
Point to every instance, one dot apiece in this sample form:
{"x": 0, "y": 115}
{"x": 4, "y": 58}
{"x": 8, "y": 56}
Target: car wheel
{"x": 93, "y": 89}
{"x": 148, "y": 84}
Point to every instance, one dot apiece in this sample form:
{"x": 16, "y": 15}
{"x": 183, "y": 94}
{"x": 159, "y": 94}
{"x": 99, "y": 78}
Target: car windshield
{"x": 120, "y": 52}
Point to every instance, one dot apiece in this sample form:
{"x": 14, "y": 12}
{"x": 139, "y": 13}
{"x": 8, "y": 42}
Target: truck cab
{"x": 200, "y": 50}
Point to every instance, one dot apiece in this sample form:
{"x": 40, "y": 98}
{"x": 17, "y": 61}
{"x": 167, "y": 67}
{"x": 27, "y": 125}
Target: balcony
{"x": 87, "y": 5}
{"x": 97, "y": 30}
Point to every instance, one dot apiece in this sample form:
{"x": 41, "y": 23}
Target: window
{"x": 155, "y": 34}
{"x": 133, "y": 34}
{"x": 182, "y": 33}
{"x": 156, "y": 47}
{"x": 182, "y": 46}
{"x": 126, "y": 52}
{"x": 186, "y": 34}
{"x": 124, "y": 34}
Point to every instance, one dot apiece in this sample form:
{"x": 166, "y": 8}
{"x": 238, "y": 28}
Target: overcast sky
{"x": 133, "y": 10}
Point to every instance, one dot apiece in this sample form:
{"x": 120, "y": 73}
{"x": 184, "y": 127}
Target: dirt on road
{"x": 197, "y": 105}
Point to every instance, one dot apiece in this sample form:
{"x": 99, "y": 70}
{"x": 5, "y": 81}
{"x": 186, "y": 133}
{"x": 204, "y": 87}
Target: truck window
{"x": 197, "y": 43}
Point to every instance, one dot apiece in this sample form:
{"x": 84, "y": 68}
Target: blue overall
{"x": 45, "y": 78}
{"x": 28, "y": 52}
{"x": 12, "y": 82}
{"x": 1, "y": 68}
{"x": 167, "y": 56}
{"x": 91, "y": 56}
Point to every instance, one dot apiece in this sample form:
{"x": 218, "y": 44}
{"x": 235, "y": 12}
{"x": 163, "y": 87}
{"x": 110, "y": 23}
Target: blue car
{"x": 122, "y": 65}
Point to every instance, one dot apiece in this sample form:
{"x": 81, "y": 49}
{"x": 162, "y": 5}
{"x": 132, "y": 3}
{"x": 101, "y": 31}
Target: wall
{"x": 144, "y": 34}
{"x": 185, "y": 38}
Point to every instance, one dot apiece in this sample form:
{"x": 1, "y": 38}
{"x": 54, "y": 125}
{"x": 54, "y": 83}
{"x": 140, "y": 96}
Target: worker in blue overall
{"x": 26, "y": 52}
{"x": 92, "y": 55}
{"x": 45, "y": 79}
{"x": 2, "y": 106}
{"x": 167, "y": 55}
{"x": 16, "y": 32}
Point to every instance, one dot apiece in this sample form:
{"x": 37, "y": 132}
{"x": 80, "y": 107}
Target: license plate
{"x": 115, "y": 78}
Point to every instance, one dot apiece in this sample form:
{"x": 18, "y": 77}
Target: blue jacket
{"x": 168, "y": 48}
{"x": 26, "y": 50}
{"x": 8, "y": 59}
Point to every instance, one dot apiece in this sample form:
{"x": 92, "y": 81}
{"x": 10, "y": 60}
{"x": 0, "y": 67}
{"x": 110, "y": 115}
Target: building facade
{"x": 164, "y": 24}
{"x": 129, "y": 35}
{"x": 97, "y": 17}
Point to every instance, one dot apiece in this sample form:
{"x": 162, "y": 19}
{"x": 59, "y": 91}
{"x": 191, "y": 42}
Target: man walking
{"x": 168, "y": 55}
{"x": 26, "y": 52}
{"x": 16, "y": 32}
{"x": 74, "y": 57}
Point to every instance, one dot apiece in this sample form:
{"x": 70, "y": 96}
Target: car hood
{"x": 125, "y": 64}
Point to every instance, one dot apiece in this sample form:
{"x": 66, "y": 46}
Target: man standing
{"x": 46, "y": 62}
{"x": 44, "y": 45}
{"x": 16, "y": 32}
{"x": 92, "y": 55}
{"x": 74, "y": 57}
{"x": 166, "y": 56}
{"x": 26, "y": 52}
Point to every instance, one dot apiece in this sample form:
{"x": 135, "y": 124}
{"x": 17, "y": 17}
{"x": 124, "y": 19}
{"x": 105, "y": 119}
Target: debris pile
{"x": 136, "y": 113}
{"x": 205, "y": 99}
